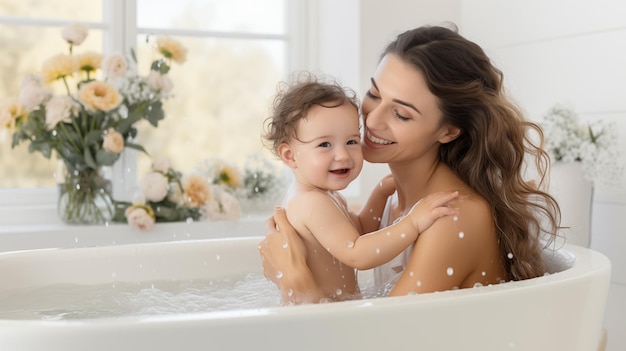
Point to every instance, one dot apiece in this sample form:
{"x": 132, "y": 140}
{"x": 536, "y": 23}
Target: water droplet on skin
{"x": 510, "y": 256}
{"x": 418, "y": 283}
{"x": 483, "y": 273}
{"x": 461, "y": 235}
{"x": 378, "y": 251}
{"x": 450, "y": 271}
{"x": 455, "y": 218}
{"x": 478, "y": 285}
{"x": 350, "y": 244}
{"x": 403, "y": 235}
{"x": 290, "y": 292}
{"x": 388, "y": 233}
{"x": 285, "y": 245}
{"x": 372, "y": 210}
{"x": 338, "y": 292}
{"x": 279, "y": 275}
{"x": 411, "y": 274}
{"x": 412, "y": 293}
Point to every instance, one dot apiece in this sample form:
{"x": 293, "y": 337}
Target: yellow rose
{"x": 58, "y": 67}
{"x": 230, "y": 176}
{"x": 97, "y": 95}
{"x": 10, "y": 112}
{"x": 113, "y": 141}
{"x": 171, "y": 49}
{"x": 90, "y": 61}
{"x": 196, "y": 190}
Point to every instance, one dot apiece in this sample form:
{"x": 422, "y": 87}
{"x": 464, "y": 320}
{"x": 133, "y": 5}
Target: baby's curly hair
{"x": 293, "y": 101}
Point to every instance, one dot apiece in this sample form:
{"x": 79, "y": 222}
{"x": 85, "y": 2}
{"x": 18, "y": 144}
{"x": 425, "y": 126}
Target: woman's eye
{"x": 324, "y": 144}
{"x": 371, "y": 95}
{"x": 400, "y": 117}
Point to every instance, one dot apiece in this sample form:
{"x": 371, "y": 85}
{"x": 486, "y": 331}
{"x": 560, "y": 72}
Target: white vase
{"x": 574, "y": 194}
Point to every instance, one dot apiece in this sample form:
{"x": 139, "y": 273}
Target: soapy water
{"x": 151, "y": 298}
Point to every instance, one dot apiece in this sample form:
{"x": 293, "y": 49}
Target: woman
{"x": 437, "y": 114}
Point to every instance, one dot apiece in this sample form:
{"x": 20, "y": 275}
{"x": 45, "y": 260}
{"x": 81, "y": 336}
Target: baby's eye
{"x": 352, "y": 142}
{"x": 325, "y": 144}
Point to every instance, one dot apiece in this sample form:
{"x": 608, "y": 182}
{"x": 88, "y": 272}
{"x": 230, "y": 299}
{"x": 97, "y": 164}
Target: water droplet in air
{"x": 113, "y": 274}
{"x": 509, "y": 255}
{"x": 461, "y": 235}
{"x": 76, "y": 240}
{"x": 189, "y": 220}
{"x": 217, "y": 257}
{"x": 450, "y": 271}
{"x": 350, "y": 244}
{"x": 279, "y": 275}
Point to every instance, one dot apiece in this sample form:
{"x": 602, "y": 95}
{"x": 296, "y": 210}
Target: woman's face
{"x": 401, "y": 116}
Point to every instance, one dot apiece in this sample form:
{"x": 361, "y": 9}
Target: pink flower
{"x": 59, "y": 109}
{"x": 196, "y": 191}
{"x": 32, "y": 92}
{"x": 115, "y": 66}
{"x": 222, "y": 206}
{"x": 155, "y": 186}
{"x": 113, "y": 141}
{"x": 140, "y": 217}
{"x": 75, "y": 33}
{"x": 161, "y": 165}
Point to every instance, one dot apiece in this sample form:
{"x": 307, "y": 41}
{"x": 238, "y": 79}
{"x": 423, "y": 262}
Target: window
{"x": 237, "y": 51}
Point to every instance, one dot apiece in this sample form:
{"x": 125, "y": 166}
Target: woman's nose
{"x": 373, "y": 119}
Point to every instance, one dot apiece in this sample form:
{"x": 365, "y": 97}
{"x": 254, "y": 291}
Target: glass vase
{"x": 85, "y": 197}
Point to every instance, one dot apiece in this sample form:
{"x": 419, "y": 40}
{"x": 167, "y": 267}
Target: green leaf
{"x": 136, "y": 147}
{"x": 106, "y": 158}
{"x": 93, "y": 137}
{"x": 89, "y": 159}
{"x": 154, "y": 113}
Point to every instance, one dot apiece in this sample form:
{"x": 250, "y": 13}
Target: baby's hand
{"x": 429, "y": 209}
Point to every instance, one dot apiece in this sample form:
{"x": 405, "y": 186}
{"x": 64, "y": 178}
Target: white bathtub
{"x": 561, "y": 311}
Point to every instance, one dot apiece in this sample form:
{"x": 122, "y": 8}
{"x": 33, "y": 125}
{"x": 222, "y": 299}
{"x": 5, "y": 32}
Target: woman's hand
{"x": 284, "y": 261}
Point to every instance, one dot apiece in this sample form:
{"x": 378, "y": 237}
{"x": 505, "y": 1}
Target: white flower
{"x": 115, "y": 66}
{"x": 139, "y": 199}
{"x": 155, "y": 187}
{"x": 75, "y": 33}
{"x": 140, "y": 217}
{"x": 59, "y": 109}
{"x": 159, "y": 82}
{"x": 32, "y": 92}
{"x": 161, "y": 165}
{"x": 222, "y": 206}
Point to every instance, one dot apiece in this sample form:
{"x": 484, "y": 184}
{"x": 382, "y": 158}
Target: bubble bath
{"x": 560, "y": 311}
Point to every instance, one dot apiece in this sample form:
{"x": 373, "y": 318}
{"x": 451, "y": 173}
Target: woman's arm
{"x": 284, "y": 261}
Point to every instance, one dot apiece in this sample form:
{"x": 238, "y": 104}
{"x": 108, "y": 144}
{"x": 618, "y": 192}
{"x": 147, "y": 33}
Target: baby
{"x": 314, "y": 129}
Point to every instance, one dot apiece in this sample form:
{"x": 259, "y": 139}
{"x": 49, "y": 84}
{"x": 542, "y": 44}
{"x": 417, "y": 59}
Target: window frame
{"x": 120, "y": 31}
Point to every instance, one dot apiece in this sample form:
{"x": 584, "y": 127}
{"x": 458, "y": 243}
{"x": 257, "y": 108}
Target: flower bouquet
{"x": 92, "y": 121}
{"x": 593, "y": 145}
{"x": 167, "y": 195}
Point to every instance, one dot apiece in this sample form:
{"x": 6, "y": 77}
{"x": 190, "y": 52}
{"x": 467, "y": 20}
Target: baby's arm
{"x": 343, "y": 241}
{"x": 370, "y": 214}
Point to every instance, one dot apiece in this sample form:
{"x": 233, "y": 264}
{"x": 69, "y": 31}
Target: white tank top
{"x": 386, "y": 275}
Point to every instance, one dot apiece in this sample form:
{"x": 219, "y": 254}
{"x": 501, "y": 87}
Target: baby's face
{"x": 328, "y": 153}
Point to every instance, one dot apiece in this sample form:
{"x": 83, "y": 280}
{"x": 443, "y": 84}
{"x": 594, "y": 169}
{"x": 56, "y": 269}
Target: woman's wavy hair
{"x": 495, "y": 138}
